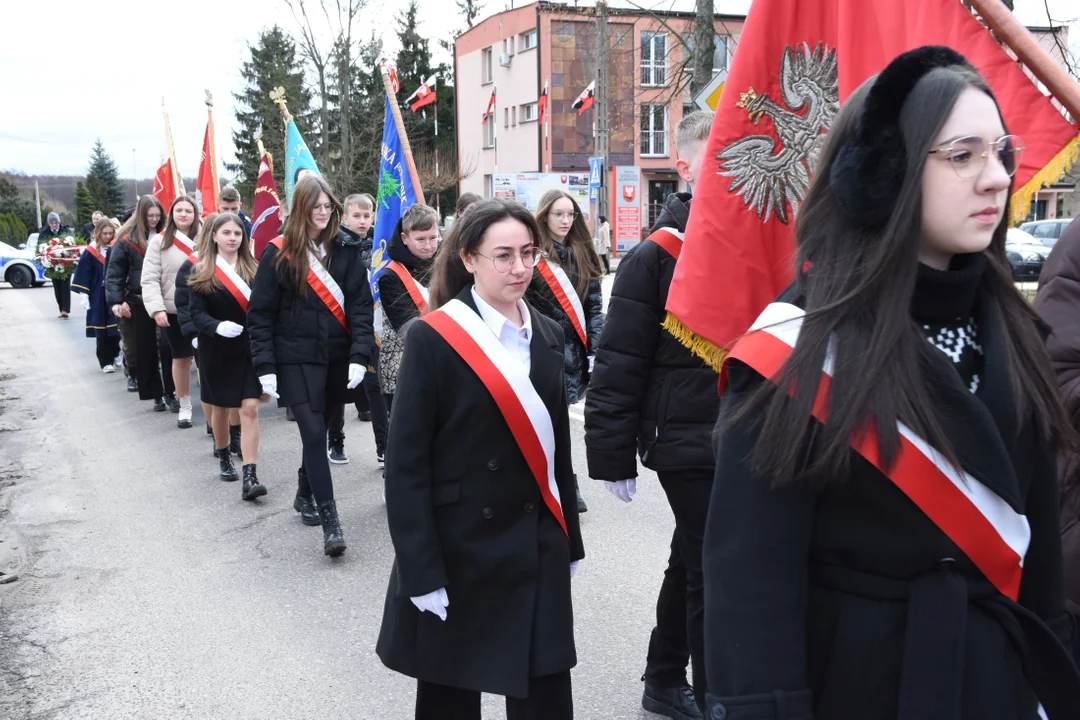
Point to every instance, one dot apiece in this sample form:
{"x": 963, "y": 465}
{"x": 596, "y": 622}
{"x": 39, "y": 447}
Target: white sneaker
{"x": 108, "y": 369}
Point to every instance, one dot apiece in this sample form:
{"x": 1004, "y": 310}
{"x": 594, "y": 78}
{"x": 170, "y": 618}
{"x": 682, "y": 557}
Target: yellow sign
{"x": 709, "y": 97}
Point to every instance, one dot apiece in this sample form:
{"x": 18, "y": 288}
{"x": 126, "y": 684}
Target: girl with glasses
{"x": 882, "y": 539}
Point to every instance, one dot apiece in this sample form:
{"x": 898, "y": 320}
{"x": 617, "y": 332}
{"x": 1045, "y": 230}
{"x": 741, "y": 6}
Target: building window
{"x": 653, "y": 130}
{"x": 529, "y": 113}
{"x": 688, "y": 108}
{"x": 489, "y": 131}
{"x": 720, "y": 51}
{"x": 508, "y": 45}
{"x": 528, "y": 40}
{"x": 653, "y": 59}
{"x": 513, "y": 115}
{"x": 506, "y": 117}
{"x": 489, "y": 186}
{"x": 485, "y": 66}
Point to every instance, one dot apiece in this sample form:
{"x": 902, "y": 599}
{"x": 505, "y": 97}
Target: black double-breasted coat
{"x": 466, "y": 513}
{"x": 226, "y": 373}
{"x": 849, "y": 603}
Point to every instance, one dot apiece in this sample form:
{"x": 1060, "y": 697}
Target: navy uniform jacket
{"x": 89, "y": 279}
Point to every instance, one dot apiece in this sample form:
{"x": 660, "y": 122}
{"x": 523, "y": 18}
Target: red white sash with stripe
{"x": 669, "y": 239}
{"x": 508, "y": 382}
{"x": 95, "y": 253}
{"x": 567, "y": 297}
{"x": 419, "y": 294}
{"x": 232, "y": 281}
{"x": 134, "y": 246}
{"x": 324, "y": 285}
{"x": 993, "y": 535}
{"x": 184, "y": 246}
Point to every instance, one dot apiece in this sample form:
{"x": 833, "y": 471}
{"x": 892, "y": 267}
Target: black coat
{"x": 576, "y": 355}
{"x": 182, "y": 299}
{"x": 397, "y": 304}
{"x": 226, "y": 374}
{"x": 649, "y": 393}
{"x": 818, "y": 602}
{"x": 286, "y": 328}
{"x": 123, "y": 272}
{"x": 46, "y": 232}
{"x": 466, "y": 514}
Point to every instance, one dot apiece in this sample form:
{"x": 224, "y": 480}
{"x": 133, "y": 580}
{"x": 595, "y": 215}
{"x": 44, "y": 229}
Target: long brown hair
{"x": 137, "y": 229}
{"x": 294, "y": 248}
{"x": 99, "y": 230}
{"x": 448, "y": 274}
{"x": 203, "y": 279}
{"x": 578, "y": 241}
{"x": 170, "y": 225}
{"x": 204, "y": 233}
{"x": 858, "y": 285}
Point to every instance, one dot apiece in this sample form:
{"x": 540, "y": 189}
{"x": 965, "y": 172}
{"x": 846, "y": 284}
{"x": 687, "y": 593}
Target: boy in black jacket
{"x": 650, "y": 394}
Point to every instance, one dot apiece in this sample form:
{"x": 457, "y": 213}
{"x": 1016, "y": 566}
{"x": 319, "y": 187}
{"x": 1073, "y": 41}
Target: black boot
{"x": 209, "y": 429}
{"x": 333, "y": 541}
{"x": 234, "y": 441}
{"x": 133, "y": 384}
{"x": 581, "y": 506}
{"x": 228, "y": 471}
{"x": 252, "y": 487}
{"x": 674, "y": 702}
{"x": 173, "y": 402}
{"x": 335, "y": 449}
{"x": 305, "y": 501}
{"x": 159, "y": 405}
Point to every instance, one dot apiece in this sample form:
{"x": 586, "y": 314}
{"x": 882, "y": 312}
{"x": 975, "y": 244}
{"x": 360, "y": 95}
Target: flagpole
{"x": 399, "y": 122}
{"x": 495, "y": 121}
{"x": 178, "y": 180}
{"x": 434, "y": 89}
{"x": 213, "y": 149}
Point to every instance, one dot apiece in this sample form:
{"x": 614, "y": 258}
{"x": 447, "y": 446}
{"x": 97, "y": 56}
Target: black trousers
{"x": 550, "y": 698}
{"x": 680, "y": 609}
{"x": 607, "y": 263}
{"x": 153, "y": 359}
{"x": 108, "y": 347}
{"x": 62, "y": 292}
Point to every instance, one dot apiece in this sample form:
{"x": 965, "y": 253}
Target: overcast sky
{"x": 76, "y": 71}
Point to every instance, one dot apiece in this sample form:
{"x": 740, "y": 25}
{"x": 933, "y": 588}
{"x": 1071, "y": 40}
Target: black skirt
{"x": 319, "y": 385}
{"x": 226, "y": 375}
{"x": 180, "y": 345}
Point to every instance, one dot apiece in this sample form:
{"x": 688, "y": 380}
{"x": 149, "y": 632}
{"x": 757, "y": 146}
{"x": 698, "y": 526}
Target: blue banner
{"x": 395, "y": 195}
{"x": 298, "y": 161}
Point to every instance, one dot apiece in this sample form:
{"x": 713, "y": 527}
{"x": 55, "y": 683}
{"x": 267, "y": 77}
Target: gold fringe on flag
{"x": 1061, "y": 164}
{"x": 704, "y": 349}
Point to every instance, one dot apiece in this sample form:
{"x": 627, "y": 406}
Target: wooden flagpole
{"x": 213, "y": 147}
{"x": 178, "y": 179}
{"x": 399, "y": 122}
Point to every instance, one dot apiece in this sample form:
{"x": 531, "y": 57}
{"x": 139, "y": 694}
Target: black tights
{"x": 315, "y": 465}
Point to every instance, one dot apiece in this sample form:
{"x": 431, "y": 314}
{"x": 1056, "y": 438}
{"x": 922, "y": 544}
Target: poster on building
{"x": 627, "y": 189}
{"x": 528, "y": 188}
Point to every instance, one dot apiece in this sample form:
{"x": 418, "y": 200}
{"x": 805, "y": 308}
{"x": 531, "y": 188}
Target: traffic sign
{"x": 596, "y": 172}
{"x": 709, "y": 97}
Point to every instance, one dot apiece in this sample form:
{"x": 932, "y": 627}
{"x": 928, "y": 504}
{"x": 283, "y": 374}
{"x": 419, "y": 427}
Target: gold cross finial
{"x": 277, "y": 95}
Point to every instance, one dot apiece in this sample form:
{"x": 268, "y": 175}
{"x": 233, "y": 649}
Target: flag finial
{"x": 209, "y": 99}
{"x": 277, "y": 95}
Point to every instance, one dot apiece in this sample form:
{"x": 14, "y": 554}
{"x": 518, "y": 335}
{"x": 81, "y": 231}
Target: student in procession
{"x": 310, "y": 325}
{"x": 53, "y": 228}
{"x": 165, "y": 254}
{"x": 463, "y": 202}
{"x": 89, "y": 280}
{"x": 566, "y": 288}
{"x": 651, "y": 395}
{"x": 932, "y": 587}
{"x": 125, "y": 325}
{"x": 479, "y": 596}
{"x": 219, "y": 288}
{"x": 403, "y": 292}
{"x": 123, "y": 289}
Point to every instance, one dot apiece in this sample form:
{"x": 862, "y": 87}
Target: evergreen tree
{"x": 7, "y": 235}
{"x": 366, "y": 118}
{"x": 21, "y": 208}
{"x": 18, "y": 229}
{"x": 103, "y": 181}
{"x": 84, "y": 204}
{"x": 273, "y": 63}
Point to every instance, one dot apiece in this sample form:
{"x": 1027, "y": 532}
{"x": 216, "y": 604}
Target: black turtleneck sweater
{"x": 944, "y": 306}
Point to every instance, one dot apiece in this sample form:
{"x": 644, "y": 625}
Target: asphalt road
{"x": 146, "y": 588}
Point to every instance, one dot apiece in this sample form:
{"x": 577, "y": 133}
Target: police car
{"x": 19, "y": 266}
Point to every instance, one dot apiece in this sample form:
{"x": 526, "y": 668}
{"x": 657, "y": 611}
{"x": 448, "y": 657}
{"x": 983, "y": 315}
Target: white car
{"x": 19, "y": 266}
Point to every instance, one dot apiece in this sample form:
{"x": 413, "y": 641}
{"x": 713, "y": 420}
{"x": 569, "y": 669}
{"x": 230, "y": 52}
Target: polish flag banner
{"x": 585, "y": 99}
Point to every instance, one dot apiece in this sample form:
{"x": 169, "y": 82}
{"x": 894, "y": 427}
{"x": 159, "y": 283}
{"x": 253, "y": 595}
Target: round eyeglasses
{"x": 967, "y": 155}
{"x": 504, "y": 260}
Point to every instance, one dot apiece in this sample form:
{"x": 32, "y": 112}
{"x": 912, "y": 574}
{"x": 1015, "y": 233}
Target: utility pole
{"x": 37, "y": 198}
{"x": 135, "y": 174}
{"x": 600, "y": 106}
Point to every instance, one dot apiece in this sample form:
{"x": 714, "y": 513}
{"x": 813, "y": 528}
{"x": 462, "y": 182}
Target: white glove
{"x": 434, "y": 602}
{"x": 623, "y": 489}
{"x": 592, "y": 363}
{"x": 356, "y": 375}
{"x": 269, "y": 385}
{"x": 85, "y": 302}
{"x": 195, "y": 343}
{"x": 229, "y": 329}
{"x": 573, "y": 567}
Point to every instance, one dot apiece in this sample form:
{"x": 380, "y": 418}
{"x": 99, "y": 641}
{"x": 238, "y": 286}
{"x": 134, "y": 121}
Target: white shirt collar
{"x": 496, "y": 321}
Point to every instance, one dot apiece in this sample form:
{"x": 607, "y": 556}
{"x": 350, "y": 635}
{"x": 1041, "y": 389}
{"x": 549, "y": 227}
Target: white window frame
{"x": 688, "y": 47}
{"x": 486, "y": 71}
{"x": 655, "y": 135}
{"x": 528, "y": 40}
{"x": 508, "y": 46}
{"x": 489, "y": 186}
{"x": 489, "y": 132}
{"x": 530, "y": 112}
{"x": 654, "y": 71}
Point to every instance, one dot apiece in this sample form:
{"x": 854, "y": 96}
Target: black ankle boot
{"x": 305, "y": 501}
{"x": 333, "y": 540}
{"x": 228, "y": 472}
{"x": 252, "y": 487}
{"x": 234, "y": 441}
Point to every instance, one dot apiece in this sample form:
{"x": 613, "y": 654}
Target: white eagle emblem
{"x": 770, "y": 178}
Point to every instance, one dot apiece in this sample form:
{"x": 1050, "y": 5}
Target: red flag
{"x": 585, "y": 99}
{"x": 739, "y": 236}
{"x": 541, "y": 104}
{"x": 424, "y": 95}
{"x": 207, "y": 184}
{"x": 165, "y": 185}
{"x": 490, "y": 106}
{"x": 266, "y": 222}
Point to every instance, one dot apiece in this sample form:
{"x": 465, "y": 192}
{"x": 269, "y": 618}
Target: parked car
{"x": 1046, "y": 232}
{"x": 1026, "y": 255}
{"x": 19, "y": 266}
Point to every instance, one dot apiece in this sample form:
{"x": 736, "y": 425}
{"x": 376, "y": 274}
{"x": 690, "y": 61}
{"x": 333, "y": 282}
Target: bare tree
{"x": 449, "y": 174}
{"x": 703, "y": 46}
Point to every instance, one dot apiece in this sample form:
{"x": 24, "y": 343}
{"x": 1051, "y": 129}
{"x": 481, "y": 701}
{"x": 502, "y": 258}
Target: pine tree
{"x": 366, "y": 118}
{"x": 470, "y": 9}
{"x": 273, "y": 63}
{"x": 18, "y": 229}
{"x": 103, "y": 181}
{"x": 84, "y": 204}
{"x": 7, "y": 235}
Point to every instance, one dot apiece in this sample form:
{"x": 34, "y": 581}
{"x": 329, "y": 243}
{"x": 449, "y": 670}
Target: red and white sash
{"x": 567, "y": 297}
{"x": 323, "y": 284}
{"x": 185, "y": 247}
{"x": 95, "y": 253}
{"x": 508, "y": 381}
{"x": 419, "y": 294}
{"x": 669, "y": 239}
{"x": 134, "y": 246}
{"x": 232, "y": 281}
{"x": 993, "y": 535}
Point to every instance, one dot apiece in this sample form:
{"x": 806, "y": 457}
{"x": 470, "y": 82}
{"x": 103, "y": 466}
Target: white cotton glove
{"x": 592, "y": 363}
{"x": 356, "y": 375}
{"x": 269, "y": 385}
{"x": 229, "y": 329}
{"x": 573, "y": 567}
{"x": 434, "y": 602}
{"x": 85, "y": 302}
{"x": 623, "y": 489}
{"x": 195, "y": 343}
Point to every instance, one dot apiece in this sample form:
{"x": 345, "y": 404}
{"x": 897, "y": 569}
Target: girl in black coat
{"x": 883, "y": 544}
{"x": 479, "y": 597}
{"x": 123, "y": 290}
{"x": 217, "y": 305}
{"x": 310, "y": 325}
